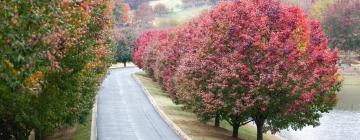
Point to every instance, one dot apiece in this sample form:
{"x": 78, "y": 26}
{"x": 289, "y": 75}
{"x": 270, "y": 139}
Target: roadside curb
{"x": 93, "y": 121}
{"x": 172, "y": 125}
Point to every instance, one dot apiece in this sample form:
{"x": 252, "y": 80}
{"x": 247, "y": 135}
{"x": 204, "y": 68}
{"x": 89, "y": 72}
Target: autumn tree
{"x": 160, "y": 9}
{"x": 53, "y": 55}
{"x": 144, "y": 15}
{"x": 341, "y": 22}
{"x": 247, "y": 61}
{"x": 134, "y": 4}
{"x": 319, "y": 7}
{"x": 261, "y": 61}
{"x": 188, "y": 3}
{"x": 214, "y": 2}
{"x": 122, "y": 13}
{"x": 178, "y": 43}
{"x": 141, "y": 45}
{"x": 306, "y": 5}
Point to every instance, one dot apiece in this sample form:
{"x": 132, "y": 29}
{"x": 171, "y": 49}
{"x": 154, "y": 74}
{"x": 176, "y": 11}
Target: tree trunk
{"x": 217, "y": 121}
{"x": 32, "y": 135}
{"x": 259, "y": 126}
{"x": 348, "y": 57}
{"x": 124, "y": 64}
{"x": 38, "y": 134}
{"x": 235, "y": 130}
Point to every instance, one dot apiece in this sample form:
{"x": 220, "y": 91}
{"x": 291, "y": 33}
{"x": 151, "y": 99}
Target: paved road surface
{"x": 125, "y": 113}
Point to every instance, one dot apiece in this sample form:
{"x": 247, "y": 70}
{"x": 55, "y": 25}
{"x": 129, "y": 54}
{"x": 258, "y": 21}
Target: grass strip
{"x": 188, "y": 121}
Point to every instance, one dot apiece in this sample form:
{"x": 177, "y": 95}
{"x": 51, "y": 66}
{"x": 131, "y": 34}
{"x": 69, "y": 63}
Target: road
{"x": 125, "y": 113}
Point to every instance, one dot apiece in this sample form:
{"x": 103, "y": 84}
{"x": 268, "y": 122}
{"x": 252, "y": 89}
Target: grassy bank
{"x": 187, "y": 120}
{"x": 349, "y": 97}
{"x": 77, "y": 132}
{"x": 84, "y": 130}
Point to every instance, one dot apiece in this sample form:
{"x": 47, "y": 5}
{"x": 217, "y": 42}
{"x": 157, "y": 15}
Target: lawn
{"x": 187, "y": 120}
{"x": 181, "y": 16}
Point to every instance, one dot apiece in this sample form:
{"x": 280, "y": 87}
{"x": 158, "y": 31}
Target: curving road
{"x": 125, "y": 113}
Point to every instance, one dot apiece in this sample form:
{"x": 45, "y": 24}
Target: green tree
{"x": 124, "y": 40}
{"x": 53, "y": 55}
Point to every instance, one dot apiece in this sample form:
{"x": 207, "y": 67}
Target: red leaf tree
{"x": 140, "y": 46}
{"x": 148, "y": 49}
{"x": 180, "y": 41}
{"x": 248, "y": 60}
{"x": 259, "y": 61}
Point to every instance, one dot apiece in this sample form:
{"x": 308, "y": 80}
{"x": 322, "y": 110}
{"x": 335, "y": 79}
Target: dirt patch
{"x": 64, "y": 134}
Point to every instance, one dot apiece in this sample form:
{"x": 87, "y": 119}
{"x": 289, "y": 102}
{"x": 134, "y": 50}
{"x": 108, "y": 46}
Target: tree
{"x": 261, "y": 61}
{"x": 319, "y": 7}
{"x": 134, "y": 4}
{"x": 144, "y": 15}
{"x": 160, "y": 9}
{"x": 341, "y": 23}
{"x": 176, "y": 45}
{"x": 188, "y": 3}
{"x": 53, "y": 55}
{"x": 122, "y": 13}
{"x": 141, "y": 45}
{"x": 306, "y": 5}
{"x": 246, "y": 61}
{"x": 214, "y": 2}
{"x": 124, "y": 39}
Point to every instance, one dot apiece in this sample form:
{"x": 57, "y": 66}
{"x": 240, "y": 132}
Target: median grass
{"x": 187, "y": 120}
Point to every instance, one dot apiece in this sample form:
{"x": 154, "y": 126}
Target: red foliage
{"x": 248, "y": 59}
{"x": 259, "y": 57}
{"x": 141, "y": 44}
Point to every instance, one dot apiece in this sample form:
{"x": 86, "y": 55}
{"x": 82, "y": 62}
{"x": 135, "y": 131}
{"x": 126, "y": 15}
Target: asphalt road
{"x": 125, "y": 113}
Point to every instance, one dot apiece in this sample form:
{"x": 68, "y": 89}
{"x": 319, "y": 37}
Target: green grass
{"x": 76, "y": 132}
{"x": 84, "y": 130}
{"x": 181, "y": 16}
{"x": 349, "y": 97}
{"x": 187, "y": 120}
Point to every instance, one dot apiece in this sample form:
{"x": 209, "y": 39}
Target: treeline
{"x": 53, "y": 55}
{"x": 339, "y": 18}
{"x": 246, "y": 61}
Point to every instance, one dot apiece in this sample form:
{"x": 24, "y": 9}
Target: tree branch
{"x": 246, "y": 122}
